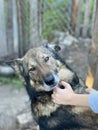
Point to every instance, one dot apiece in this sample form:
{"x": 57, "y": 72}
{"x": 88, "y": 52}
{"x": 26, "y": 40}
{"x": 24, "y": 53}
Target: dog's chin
{"x": 50, "y": 87}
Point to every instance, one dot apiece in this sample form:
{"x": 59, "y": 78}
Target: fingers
{"x": 55, "y": 98}
{"x": 62, "y": 83}
{"x": 56, "y": 101}
{"x": 90, "y": 90}
{"x": 66, "y": 85}
{"x": 60, "y": 96}
{"x": 58, "y": 91}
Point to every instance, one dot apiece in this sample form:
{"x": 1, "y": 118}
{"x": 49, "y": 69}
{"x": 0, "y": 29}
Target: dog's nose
{"x": 49, "y": 79}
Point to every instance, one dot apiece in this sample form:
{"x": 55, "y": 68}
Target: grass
{"x": 13, "y": 80}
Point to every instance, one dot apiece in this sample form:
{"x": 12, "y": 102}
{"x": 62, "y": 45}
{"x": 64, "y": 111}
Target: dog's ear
{"x": 18, "y": 65}
{"x": 21, "y": 66}
{"x": 57, "y": 48}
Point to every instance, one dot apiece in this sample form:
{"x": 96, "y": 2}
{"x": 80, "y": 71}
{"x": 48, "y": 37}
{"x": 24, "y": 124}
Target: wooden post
{"x": 9, "y": 26}
{"x": 40, "y": 21}
{"x": 86, "y": 18}
{"x": 93, "y": 56}
{"x": 35, "y": 23}
{"x": 15, "y": 28}
{"x": 93, "y": 16}
{"x": 74, "y": 13}
{"x": 69, "y": 14}
{"x": 21, "y": 26}
{"x": 3, "y": 42}
{"x": 78, "y": 21}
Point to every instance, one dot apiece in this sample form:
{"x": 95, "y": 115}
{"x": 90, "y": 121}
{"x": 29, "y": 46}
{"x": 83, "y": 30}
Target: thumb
{"x": 65, "y": 84}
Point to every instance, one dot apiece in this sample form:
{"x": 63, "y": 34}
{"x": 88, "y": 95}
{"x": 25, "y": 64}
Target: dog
{"x": 42, "y": 69}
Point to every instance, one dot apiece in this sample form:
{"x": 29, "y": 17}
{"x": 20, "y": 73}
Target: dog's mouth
{"x": 50, "y": 81}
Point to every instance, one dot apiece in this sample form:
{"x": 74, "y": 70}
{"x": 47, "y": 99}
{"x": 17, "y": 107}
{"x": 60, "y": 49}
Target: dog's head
{"x": 45, "y": 70}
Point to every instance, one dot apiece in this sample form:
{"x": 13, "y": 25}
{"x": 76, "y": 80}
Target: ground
{"x": 14, "y": 102}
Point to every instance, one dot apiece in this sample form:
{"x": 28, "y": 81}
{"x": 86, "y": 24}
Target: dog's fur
{"x": 42, "y": 69}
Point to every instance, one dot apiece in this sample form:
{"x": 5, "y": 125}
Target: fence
{"x": 26, "y": 23}
{"x": 74, "y": 16}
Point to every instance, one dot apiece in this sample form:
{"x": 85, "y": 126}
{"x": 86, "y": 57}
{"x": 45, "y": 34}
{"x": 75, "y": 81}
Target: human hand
{"x": 90, "y": 90}
{"x": 62, "y": 96}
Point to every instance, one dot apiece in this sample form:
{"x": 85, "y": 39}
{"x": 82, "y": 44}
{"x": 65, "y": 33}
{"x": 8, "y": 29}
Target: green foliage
{"x": 14, "y": 80}
{"x": 55, "y": 18}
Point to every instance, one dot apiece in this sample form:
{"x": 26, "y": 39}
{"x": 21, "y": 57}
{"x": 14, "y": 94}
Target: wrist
{"x": 70, "y": 99}
{"x": 78, "y": 100}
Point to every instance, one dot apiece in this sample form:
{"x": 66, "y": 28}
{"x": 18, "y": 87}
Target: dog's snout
{"x": 49, "y": 79}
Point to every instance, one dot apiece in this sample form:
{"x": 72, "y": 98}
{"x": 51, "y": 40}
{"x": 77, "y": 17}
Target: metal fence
{"x": 26, "y": 23}
{"x": 74, "y": 16}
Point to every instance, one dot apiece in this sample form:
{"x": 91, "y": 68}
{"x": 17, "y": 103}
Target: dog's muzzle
{"x": 50, "y": 80}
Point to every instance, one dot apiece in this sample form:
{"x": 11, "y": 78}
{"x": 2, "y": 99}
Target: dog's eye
{"x": 46, "y": 59}
{"x": 32, "y": 69}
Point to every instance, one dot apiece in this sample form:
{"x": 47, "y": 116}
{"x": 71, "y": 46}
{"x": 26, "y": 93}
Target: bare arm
{"x": 79, "y": 100}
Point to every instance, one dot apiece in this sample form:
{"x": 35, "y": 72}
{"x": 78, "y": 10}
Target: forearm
{"x": 79, "y": 100}
{"x": 67, "y": 96}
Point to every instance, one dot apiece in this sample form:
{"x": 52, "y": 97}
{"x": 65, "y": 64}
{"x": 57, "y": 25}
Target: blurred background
{"x": 30, "y": 23}
{"x": 26, "y": 23}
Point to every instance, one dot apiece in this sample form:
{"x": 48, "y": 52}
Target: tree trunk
{"x": 78, "y": 22}
{"x": 94, "y": 14}
{"x": 86, "y": 18}
{"x": 33, "y": 23}
{"x": 3, "y": 44}
{"x": 74, "y": 13}
{"x": 93, "y": 56}
{"x": 21, "y": 26}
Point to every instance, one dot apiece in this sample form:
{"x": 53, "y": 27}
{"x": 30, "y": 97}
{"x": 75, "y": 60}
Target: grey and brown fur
{"x": 42, "y": 69}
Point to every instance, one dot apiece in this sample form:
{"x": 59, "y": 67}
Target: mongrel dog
{"x": 42, "y": 69}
